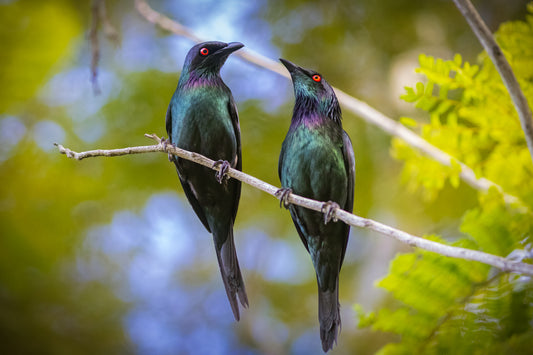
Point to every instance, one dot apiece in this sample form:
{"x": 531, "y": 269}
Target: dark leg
{"x": 329, "y": 208}
{"x": 221, "y": 174}
{"x": 283, "y": 195}
{"x": 165, "y": 143}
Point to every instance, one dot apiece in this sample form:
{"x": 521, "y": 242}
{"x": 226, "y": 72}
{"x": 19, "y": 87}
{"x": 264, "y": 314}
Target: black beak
{"x": 230, "y": 48}
{"x": 291, "y": 67}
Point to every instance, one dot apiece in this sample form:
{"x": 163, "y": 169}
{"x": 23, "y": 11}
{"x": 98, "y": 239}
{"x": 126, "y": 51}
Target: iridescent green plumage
{"x": 317, "y": 161}
{"x": 202, "y": 118}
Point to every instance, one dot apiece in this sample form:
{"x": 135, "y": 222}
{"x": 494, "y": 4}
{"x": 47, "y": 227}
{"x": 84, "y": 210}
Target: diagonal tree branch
{"x": 349, "y": 103}
{"x": 502, "y": 65}
{"x": 503, "y": 264}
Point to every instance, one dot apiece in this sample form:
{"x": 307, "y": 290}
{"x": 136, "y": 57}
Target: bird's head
{"x": 312, "y": 92}
{"x": 205, "y": 59}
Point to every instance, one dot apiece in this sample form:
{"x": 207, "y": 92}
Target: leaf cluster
{"x": 469, "y": 114}
{"x": 444, "y": 305}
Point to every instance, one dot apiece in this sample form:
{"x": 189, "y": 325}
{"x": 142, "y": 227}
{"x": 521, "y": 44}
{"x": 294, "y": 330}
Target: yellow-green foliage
{"x": 452, "y": 306}
{"x": 472, "y": 117}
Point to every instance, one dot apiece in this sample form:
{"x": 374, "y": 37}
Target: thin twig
{"x": 502, "y": 65}
{"x": 109, "y": 30}
{"x": 164, "y": 22}
{"x": 95, "y": 46}
{"x": 349, "y": 103}
{"x": 349, "y": 218}
{"x": 99, "y": 18}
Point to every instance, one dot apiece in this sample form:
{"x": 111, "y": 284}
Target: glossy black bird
{"x": 317, "y": 162}
{"x": 202, "y": 117}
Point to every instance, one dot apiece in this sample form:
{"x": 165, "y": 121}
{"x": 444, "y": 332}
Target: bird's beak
{"x": 291, "y": 67}
{"x": 230, "y": 48}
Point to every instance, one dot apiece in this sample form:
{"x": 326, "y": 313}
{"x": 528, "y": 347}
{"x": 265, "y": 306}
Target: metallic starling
{"x": 317, "y": 161}
{"x": 202, "y": 117}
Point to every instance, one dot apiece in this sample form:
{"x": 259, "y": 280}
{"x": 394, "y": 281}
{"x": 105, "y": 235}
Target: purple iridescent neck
{"x": 196, "y": 79}
{"x": 308, "y": 119}
{"x": 313, "y": 112}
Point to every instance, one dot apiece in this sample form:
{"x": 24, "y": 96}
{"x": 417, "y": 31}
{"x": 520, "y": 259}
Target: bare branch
{"x": 349, "y": 218}
{"x": 502, "y": 65}
{"x": 99, "y": 17}
{"x": 398, "y": 130}
{"x": 107, "y": 152}
{"x": 109, "y": 30}
{"x": 164, "y": 22}
{"x": 95, "y": 46}
{"x": 349, "y": 103}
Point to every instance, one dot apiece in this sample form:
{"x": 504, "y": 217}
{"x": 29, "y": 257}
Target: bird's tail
{"x": 231, "y": 275}
{"x": 329, "y": 316}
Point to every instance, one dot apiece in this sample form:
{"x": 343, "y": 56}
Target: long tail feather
{"x": 329, "y": 317}
{"x": 231, "y": 275}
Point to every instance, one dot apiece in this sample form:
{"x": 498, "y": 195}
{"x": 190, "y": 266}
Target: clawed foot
{"x": 224, "y": 167}
{"x": 329, "y": 209}
{"x": 283, "y": 195}
{"x": 166, "y": 143}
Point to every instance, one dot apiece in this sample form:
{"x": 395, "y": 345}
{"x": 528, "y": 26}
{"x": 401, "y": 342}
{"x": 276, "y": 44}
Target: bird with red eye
{"x": 317, "y": 161}
{"x": 202, "y": 117}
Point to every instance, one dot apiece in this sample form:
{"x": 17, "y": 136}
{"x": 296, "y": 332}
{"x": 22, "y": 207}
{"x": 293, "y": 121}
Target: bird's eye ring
{"x": 317, "y": 78}
{"x": 204, "y": 51}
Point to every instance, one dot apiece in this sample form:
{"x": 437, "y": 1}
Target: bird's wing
{"x": 280, "y": 161}
{"x": 299, "y": 225}
{"x": 232, "y": 108}
{"x": 191, "y": 195}
{"x": 292, "y": 208}
{"x": 349, "y": 163}
{"x": 187, "y": 188}
{"x": 168, "y": 121}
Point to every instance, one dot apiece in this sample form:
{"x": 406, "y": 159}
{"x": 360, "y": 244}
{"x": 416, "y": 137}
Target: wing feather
{"x": 349, "y": 163}
{"x": 232, "y": 109}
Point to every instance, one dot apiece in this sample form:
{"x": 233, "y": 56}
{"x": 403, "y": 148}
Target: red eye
{"x": 317, "y": 78}
{"x": 204, "y": 51}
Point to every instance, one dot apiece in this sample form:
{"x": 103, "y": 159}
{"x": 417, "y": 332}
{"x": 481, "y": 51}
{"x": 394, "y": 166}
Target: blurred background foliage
{"x": 105, "y": 255}
{"x": 448, "y": 305}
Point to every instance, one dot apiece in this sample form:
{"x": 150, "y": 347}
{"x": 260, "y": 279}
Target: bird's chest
{"x": 313, "y": 162}
{"x": 202, "y": 123}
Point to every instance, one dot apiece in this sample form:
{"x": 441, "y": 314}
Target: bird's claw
{"x": 329, "y": 209}
{"x": 224, "y": 167}
{"x": 283, "y": 195}
{"x": 165, "y": 143}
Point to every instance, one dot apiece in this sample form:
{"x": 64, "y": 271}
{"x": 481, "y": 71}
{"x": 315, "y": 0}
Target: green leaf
{"x": 410, "y": 95}
{"x": 419, "y": 88}
{"x": 407, "y": 121}
{"x": 457, "y": 59}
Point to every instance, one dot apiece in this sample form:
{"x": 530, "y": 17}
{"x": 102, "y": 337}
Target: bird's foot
{"x": 166, "y": 143}
{"x": 329, "y": 210}
{"x": 224, "y": 167}
{"x": 283, "y": 195}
